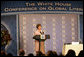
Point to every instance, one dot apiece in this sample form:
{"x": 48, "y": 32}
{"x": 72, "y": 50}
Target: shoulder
{"x": 36, "y": 32}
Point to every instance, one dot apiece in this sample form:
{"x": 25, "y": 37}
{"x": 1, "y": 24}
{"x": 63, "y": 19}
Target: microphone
{"x": 41, "y": 32}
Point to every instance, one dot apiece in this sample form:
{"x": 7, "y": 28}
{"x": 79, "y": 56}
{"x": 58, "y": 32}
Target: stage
{"x": 63, "y": 25}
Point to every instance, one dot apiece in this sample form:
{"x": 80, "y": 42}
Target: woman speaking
{"x": 39, "y": 32}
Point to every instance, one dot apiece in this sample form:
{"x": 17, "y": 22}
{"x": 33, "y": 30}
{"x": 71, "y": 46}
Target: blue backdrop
{"x": 10, "y": 23}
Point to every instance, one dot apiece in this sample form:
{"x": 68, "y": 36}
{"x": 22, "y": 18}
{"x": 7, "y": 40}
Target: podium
{"x": 41, "y": 38}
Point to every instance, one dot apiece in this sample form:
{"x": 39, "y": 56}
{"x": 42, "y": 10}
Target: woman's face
{"x": 39, "y": 27}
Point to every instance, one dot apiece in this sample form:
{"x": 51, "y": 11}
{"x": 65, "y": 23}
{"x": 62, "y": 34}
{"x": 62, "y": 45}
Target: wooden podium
{"x": 41, "y": 38}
